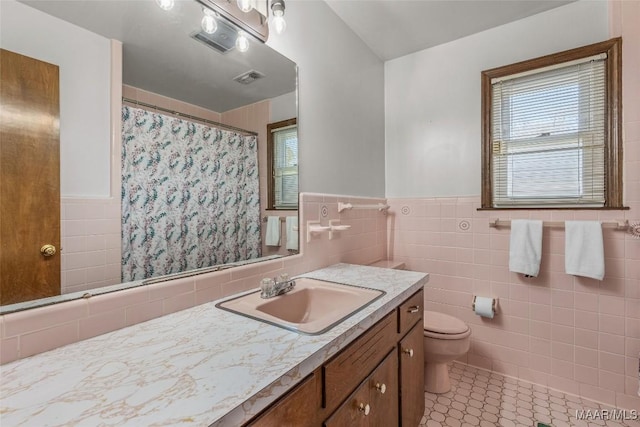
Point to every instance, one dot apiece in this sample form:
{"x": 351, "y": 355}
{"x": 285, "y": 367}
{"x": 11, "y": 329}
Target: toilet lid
{"x": 443, "y": 323}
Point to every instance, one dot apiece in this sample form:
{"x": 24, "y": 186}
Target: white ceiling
{"x": 394, "y": 28}
{"x": 160, "y": 56}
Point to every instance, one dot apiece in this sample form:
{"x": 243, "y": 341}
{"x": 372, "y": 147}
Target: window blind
{"x": 285, "y": 167}
{"x": 548, "y": 137}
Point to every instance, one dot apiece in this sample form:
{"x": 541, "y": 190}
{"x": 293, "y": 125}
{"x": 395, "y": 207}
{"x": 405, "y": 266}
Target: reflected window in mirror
{"x": 282, "y": 157}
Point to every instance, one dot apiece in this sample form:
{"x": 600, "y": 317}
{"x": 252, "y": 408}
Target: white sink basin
{"x": 312, "y": 307}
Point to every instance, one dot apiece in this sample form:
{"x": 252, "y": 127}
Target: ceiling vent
{"x": 223, "y": 40}
{"x": 249, "y": 77}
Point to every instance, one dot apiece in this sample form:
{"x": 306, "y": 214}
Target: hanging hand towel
{"x": 525, "y": 247}
{"x": 292, "y": 235}
{"x": 583, "y": 249}
{"x": 272, "y": 237}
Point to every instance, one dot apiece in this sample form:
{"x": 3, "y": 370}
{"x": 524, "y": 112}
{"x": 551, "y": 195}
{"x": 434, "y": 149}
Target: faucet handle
{"x": 266, "y": 284}
{"x": 283, "y": 277}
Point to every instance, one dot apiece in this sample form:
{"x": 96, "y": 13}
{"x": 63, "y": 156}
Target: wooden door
{"x": 383, "y": 391}
{"x": 29, "y": 178}
{"x": 412, "y": 377}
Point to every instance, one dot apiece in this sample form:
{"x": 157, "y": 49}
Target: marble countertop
{"x": 198, "y": 367}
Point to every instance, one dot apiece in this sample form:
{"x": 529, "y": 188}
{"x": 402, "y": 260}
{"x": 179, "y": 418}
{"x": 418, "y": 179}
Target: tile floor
{"x": 486, "y": 399}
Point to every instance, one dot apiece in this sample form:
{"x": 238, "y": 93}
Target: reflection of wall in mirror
{"x": 255, "y": 117}
{"x": 85, "y": 83}
{"x": 90, "y": 215}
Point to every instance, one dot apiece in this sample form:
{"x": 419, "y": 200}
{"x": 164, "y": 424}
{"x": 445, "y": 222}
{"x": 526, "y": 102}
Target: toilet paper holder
{"x": 494, "y": 304}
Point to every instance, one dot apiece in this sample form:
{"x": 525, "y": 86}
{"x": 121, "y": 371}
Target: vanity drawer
{"x": 410, "y": 312}
{"x": 343, "y": 373}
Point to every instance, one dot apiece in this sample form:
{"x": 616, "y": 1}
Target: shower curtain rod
{"x": 188, "y": 116}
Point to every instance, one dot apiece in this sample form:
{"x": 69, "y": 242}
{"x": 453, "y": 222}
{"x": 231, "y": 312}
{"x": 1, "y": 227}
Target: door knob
{"x": 48, "y": 250}
{"x": 381, "y": 387}
{"x": 408, "y": 351}
{"x": 365, "y": 409}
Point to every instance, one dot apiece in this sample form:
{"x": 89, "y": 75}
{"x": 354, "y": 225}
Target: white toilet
{"x": 445, "y": 338}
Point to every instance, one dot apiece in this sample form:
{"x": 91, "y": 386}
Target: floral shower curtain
{"x": 190, "y": 195}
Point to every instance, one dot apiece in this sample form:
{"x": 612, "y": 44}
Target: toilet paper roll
{"x": 483, "y": 306}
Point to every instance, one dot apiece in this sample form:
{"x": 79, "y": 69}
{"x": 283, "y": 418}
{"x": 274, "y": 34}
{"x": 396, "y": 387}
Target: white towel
{"x": 525, "y": 246}
{"x": 584, "y": 249}
{"x": 292, "y": 235}
{"x": 272, "y": 237}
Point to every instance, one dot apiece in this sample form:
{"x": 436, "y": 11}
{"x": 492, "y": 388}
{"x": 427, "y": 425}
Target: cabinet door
{"x": 411, "y": 357}
{"x": 298, "y": 408}
{"x": 348, "y": 369}
{"x": 383, "y": 392}
{"x": 354, "y": 412}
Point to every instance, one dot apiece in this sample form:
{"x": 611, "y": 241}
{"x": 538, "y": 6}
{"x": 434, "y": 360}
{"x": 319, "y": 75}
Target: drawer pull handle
{"x": 408, "y": 351}
{"x": 365, "y": 409}
{"x": 381, "y": 387}
{"x": 413, "y": 309}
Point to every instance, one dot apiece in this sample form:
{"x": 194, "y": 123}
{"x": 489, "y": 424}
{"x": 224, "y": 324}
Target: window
{"x": 282, "y": 157}
{"x": 551, "y": 131}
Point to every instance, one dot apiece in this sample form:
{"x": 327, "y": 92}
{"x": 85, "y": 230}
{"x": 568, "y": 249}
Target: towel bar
{"x": 617, "y": 225}
{"x": 265, "y": 218}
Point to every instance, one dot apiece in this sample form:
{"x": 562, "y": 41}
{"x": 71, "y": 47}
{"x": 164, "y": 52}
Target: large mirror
{"x": 146, "y": 197}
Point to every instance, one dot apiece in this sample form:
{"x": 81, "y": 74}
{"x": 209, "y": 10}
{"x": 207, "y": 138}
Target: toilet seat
{"x": 445, "y": 327}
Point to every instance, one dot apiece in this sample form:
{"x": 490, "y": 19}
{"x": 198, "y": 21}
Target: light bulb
{"x": 279, "y": 24}
{"x": 277, "y": 7}
{"x": 245, "y": 5}
{"x": 242, "y": 42}
{"x": 209, "y": 23}
{"x": 165, "y": 4}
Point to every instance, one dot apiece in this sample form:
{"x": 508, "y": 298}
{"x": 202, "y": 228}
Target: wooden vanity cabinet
{"x": 377, "y": 380}
{"x": 411, "y": 354}
{"x": 383, "y": 392}
{"x": 351, "y": 366}
{"x": 297, "y": 408}
{"x": 410, "y": 312}
{"x": 374, "y": 402}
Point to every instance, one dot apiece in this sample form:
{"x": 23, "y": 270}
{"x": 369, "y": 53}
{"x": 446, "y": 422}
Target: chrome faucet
{"x": 270, "y": 288}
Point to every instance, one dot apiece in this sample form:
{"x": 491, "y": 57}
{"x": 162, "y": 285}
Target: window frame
{"x": 613, "y": 161}
{"x": 271, "y": 193}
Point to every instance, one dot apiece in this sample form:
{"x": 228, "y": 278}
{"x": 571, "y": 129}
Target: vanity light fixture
{"x": 223, "y": 27}
{"x": 242, "y": 42}
{"x": 279, "y": 24}
{"x": 165, "y": 4}
{"x": 209, "y": 23}
{"x": 245, "y": 5}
